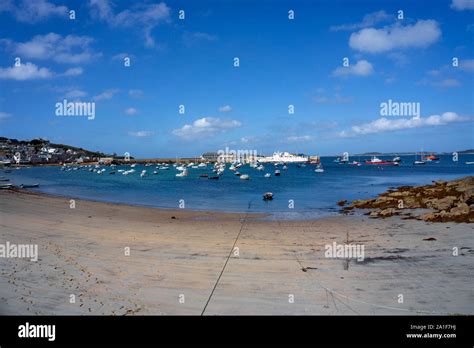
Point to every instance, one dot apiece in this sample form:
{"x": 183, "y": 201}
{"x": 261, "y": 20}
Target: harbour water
{"x": 299, "y": 193}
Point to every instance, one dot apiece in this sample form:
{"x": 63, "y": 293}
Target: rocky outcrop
{"x": 448, "y": 201}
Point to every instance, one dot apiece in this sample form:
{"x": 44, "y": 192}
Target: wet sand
{"x": 189, "y": 264}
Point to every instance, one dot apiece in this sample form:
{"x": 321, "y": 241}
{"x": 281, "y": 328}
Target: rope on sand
{"x": 228, "y": 257}
{"x": 335, "y": 293}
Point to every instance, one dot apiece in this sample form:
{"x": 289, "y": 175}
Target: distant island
{"x": 465, "y": 152}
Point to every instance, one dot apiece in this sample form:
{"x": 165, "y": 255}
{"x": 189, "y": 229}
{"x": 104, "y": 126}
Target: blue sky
{"x": 282, "y": 62}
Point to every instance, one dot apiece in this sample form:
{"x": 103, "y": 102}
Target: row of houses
{"x": 37, "y": 152}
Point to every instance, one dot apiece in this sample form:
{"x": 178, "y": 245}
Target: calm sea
{"x": 298, "y": 193}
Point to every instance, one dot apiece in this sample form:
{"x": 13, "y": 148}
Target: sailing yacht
{"x": 419, "y": 162}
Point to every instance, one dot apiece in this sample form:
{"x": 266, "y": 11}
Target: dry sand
{"x": 81, "y": 252}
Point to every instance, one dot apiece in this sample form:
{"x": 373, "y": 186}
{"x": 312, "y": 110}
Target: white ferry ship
{"x": 284, "y": 157}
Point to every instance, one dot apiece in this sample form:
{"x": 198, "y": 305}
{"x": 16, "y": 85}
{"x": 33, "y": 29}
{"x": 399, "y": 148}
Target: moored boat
{"x": 432, "y": 157}
{"x": 267, "y": 196}
{"x": 28, "y": 185}
{"x": 284, "y": 157}
{"x": 377, "y": 161}
{"x": 319, "y": 169}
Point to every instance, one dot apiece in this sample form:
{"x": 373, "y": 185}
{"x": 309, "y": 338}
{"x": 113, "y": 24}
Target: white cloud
{"x": 447, "y": 83}
{"x": 4, "y": 115}
{"x": 73, "y": 72}
{"x": 461, "y": 5}
{"x": 68, "y": 49}
{"x": 26, "y": 71}
{"x": 106, "y": 95}
{"x": 382, "y": 125}
{"x": 192, "y": 38}
{"x": 421, "y": 34}
{"x": 33, "y": 11}
{"x": 225, "y": 108}
{"x": 467, "y": 65}
{"x": 444, "y": 83}
{"x": 144, "y": 16}
{"x": 141, "y": 134}
{"x": 361, "y": 68}
{"x": 337, "y": 99}
{"x": 368, "y": 20}
{"x": 300, "y": 138}
{"x": 135, "y": 93}
{"x": 131, "y": 111}
{"x": 205, "y": 127}
{"x": 75, "y": 94}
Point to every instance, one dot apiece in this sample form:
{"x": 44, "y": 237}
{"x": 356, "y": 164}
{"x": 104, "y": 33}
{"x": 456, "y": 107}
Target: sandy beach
{"x": 186, "y": 262}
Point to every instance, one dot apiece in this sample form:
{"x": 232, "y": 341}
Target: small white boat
{"x": 28, "y": 185}
{"x": 469, "y": 162}
{"x": 417, "y": 163}
{"x": 319, "y": 169}
{"x": 260, "y": 167}
{"x": 267, "y": 175}
{"x": 277, "y": 172}
{"x": 183, "y": 173}
{"x": 143, "y": 173}
{"x": 421, "y": 161}
{"x": 202, "y": 165}
{"x": 155, "y": 172}
{"x": 244, "y": 177}
{"x": 285, "y": 167}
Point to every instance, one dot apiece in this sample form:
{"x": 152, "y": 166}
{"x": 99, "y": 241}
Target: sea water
{"x": 299, "y": 192}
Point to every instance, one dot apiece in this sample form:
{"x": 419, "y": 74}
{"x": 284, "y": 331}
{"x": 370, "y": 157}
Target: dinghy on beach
{"x": 23, "y": 186}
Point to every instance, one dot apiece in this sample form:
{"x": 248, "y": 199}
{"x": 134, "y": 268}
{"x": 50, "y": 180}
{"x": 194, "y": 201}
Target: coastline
{"x": 81, "y": 252}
